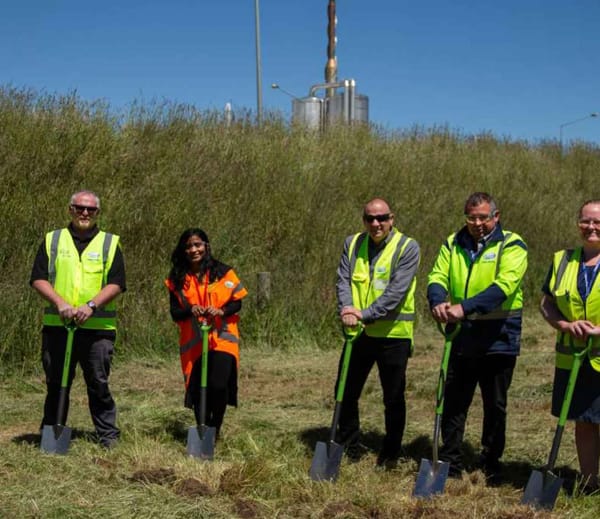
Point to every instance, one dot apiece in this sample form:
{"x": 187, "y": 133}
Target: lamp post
{"x": 259, "y": 109}
{"x": 277, "y": 86}
{"x": 593, "y": 114}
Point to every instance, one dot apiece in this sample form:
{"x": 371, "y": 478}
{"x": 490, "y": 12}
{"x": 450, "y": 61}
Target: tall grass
{"x": 275, "y": 198}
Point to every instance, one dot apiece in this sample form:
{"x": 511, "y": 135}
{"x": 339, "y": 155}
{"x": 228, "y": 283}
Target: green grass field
{"x": 274, "y": 199}
{"x": 261, "y": 462}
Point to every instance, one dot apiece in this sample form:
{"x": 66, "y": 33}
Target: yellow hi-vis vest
{"x": 464, "y": 278}
{"x": 400, "y": 322}
{"x": 78, "y": 279}
{"x": 563, "y": 286}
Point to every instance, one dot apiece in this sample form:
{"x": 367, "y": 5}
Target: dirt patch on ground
{"x": 342, "y": 509}
{"x": 192, "y": 488}
{"x": 248, "y": 508}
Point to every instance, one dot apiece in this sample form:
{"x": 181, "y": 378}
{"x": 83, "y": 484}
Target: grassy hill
{"x": 276, "y": 198}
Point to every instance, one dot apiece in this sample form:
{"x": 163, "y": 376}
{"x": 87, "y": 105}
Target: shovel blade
{"x": 201, "y": 444}
{"x": 326, "y": 461}
{"x": 55, "y": 439}
{"x": 431, "y": 478}
{"x": 542, "y": 490}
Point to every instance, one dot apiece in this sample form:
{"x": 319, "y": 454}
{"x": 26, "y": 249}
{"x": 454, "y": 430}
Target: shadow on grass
{"x": 36, "y": 438}
{"x": 370, "y": 440}
{"x": 514, "y": 473}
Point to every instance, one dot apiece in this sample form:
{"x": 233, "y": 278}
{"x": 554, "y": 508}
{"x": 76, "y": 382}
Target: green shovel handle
{"x": 577, "y": 360}
{"x": 350, "y": 338}
{"x": 205, "y": 327}
{"x": 449, "y": 337}
{"x": 71, "y": 327}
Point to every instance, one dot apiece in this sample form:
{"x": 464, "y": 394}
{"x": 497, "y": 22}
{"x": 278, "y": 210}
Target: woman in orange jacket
{"x": 202, "y": 289}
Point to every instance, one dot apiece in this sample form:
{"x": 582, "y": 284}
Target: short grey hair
{"x": 479, "y": 198}
{"x": 85, "y": 192}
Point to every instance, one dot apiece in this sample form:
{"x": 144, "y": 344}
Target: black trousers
{"x": 221, "y": 387}
{"x": 493, "y": 373}
{"x": 391, "y": 356}
{"x": 93, "y": 353}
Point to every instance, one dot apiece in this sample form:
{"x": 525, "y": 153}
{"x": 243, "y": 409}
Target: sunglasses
{"x": 370, "y": 218}
{"x": 80, "y": 209}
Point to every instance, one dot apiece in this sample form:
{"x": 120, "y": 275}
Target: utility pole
{"x": 259, "y": 104}
{"x": 331, "y": 66}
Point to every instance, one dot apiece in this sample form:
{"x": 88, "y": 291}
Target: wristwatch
{"x": 92, "y": 305}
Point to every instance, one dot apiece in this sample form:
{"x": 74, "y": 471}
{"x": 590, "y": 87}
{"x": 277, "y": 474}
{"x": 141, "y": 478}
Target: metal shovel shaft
{"x": 201, "y": 439}
{"x": 327, "y": 458}
{"x": 543, "y": 486}
{"x": 432, "y": 475}
{"x": 56, "y": 438}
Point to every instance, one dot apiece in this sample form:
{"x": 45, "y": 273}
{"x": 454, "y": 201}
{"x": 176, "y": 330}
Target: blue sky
{"x": 518, "y": 69}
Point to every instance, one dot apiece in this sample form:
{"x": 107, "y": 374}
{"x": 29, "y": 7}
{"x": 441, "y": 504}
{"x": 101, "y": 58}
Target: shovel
{"x": 433, "y": 474}
{"x": 543, "y": 486}
{"x": 56, "y": 438}
{"x": 201, "y": 440}
{"x": 326, "y": 460}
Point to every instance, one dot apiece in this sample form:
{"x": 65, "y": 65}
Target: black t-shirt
{"x": 115, "y": 276}
{"x": 116, "y": 273}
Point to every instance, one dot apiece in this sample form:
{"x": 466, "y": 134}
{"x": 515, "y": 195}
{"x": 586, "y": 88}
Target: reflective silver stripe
{"x": 108, "y": 237}
{"x": 500, "y": 251}
{"x": 399, "y": 249}
{"x": 239, "y": 287}
{"x": 398, "y": 316}
{"x": 52, "y": 256}
{"x": 562, "y": 266}
{"x": 227, "y": 336}
{"x": 188, "y": 345}
{"x": 496, "y": 314}
{"x": 196, "y": 337}
{"x": 354, "y": 252}
{"x": 98, "y": 313}
{"x": 569, "y": 349}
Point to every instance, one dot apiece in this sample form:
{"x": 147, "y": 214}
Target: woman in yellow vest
{"x": 202, "y": 289}
{"x": 571, "y": 304}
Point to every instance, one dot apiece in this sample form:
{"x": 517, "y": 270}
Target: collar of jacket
{"x": 466, "y": 241}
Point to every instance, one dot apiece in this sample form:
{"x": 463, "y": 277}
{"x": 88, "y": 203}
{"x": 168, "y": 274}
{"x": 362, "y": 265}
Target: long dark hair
{"x": 180, "y": 265}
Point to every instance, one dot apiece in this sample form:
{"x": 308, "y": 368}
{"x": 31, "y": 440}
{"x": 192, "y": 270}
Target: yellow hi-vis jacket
{"x": 77, "y": 279}
{"x": 400, "y": 322}
{"x": 563, "y": 286}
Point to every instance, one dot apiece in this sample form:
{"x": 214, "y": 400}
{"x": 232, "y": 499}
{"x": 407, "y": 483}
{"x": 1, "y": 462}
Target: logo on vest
{"x": 489, "y": 256}
{"x": 380, "y": 284}
{"x": 380, "y": 269}
{"x": 229, "y": 284}
{"x": 93, "y": 255}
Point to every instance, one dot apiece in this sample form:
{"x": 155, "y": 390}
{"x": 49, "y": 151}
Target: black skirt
{"x": 585, "y": 405}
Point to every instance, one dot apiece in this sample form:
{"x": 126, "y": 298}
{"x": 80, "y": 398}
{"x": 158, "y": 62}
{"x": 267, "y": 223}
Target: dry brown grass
{"x": 261, "y": 463}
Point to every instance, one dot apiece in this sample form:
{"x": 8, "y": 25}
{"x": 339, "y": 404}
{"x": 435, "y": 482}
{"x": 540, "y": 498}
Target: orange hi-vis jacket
{"x": 224, "y": 335}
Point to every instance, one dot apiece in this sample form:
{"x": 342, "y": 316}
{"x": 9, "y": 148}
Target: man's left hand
{"x": 82, "y": 314}
{"x": 455, "y": 313}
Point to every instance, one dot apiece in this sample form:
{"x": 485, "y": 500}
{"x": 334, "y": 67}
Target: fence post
{"x": 263, "y": 291}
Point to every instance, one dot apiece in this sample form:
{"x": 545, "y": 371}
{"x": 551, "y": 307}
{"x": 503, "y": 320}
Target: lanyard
{"x": 589, "y": 282}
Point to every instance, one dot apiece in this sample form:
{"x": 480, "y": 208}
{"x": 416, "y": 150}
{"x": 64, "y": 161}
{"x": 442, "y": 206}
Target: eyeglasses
{"x": 370, "y": 218}
{"x": 589, "y": 222}
{"x": 80, "y": 209}
{"x": 474, "y": 218}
